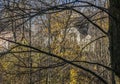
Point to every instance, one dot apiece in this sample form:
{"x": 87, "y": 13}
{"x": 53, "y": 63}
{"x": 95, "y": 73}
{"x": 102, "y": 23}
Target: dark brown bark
{"x": 114, "y": 35}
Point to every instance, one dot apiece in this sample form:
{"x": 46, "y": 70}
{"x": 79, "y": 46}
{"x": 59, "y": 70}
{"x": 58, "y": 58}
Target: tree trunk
{"x": 114, "y": 35}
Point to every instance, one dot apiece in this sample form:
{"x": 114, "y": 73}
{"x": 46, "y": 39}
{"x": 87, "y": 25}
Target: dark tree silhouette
{"x": 114, "y": 35}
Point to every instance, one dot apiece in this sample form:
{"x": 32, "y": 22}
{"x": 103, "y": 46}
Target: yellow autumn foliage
{"x": 73, "y": 76}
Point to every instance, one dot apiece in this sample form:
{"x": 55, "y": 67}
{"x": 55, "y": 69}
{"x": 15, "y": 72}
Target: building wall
{"x": 5, "y": 44}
